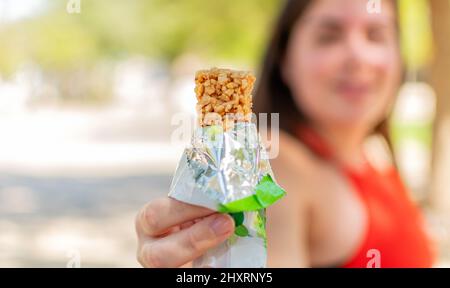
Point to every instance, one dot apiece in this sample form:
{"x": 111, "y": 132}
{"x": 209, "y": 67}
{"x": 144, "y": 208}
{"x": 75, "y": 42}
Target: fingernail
{"x": 221, "y": 225}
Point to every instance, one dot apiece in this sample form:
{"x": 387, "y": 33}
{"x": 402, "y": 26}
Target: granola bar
{"x": 224, "y": 96}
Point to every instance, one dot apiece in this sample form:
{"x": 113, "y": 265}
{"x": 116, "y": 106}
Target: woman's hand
{"x": 172, "y": 233}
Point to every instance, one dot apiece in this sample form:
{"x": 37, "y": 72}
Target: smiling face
{"x": 343, "y": 64}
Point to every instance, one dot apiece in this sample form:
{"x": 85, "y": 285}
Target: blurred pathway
{"x": 71, "y": 182}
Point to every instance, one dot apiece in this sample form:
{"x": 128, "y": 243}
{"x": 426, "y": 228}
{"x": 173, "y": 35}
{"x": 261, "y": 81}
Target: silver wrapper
{"x": 218, "y": 168}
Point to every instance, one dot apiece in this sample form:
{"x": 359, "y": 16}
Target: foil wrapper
{"x": 229, "y": 171}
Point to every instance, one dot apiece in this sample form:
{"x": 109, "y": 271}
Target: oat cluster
{"x": 223, "y": 96}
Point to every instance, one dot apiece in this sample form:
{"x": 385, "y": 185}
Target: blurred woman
{"x": 332, "y": 71}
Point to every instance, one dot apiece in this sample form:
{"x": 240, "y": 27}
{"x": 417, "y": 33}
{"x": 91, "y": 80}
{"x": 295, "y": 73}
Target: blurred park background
{"x": 87, "y": 91}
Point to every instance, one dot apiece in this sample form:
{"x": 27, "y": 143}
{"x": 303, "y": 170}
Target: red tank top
{"x": 395, "y": 234}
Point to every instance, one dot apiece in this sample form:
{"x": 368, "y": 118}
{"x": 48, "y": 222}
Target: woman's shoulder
{"x": 289, "y": 164}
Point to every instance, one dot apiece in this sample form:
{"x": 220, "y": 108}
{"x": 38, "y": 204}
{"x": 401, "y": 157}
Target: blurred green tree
{"x": 164, "y": 29}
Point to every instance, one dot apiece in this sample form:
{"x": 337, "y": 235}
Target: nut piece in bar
{"x": 223, "y": 96}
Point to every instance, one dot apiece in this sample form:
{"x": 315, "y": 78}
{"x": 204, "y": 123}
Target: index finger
{"x": 158, "y": 216}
